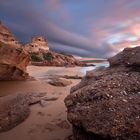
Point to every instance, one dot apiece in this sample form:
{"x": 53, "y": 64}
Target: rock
{"x": 13, "y": 62}
{"x": 105, "y": 105}
{"x": 14, "y": 109}
{"x": 42, "y": 56}
{"x": 44, "y": 101}
{"x": 61, "y": 82}
{"x": 128, "y": 57}
{"x": 6, "y": 36}
{"x": 37, "y": 44}
{"x": 34, "y": 98}
{"x": 13, "y": 58}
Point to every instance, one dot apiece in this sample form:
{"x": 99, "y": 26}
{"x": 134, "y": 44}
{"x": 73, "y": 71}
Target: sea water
{"x": 97, "y": 65}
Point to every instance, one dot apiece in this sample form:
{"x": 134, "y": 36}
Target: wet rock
{"x": 14, "y": 109}
{"x": 34, "y": 98}
{"x": 105, "y": 104}
{"x": 61, "y": 82}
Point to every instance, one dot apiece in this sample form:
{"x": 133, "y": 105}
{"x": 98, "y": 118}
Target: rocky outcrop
{"x": 105, "y": 105}
{"x": 14, "y": 109}
{"x": 13, "y": 58}
{"x": 42, "y": 56}
{"x": 38, "y": 44}
{"x": 6, "y": 36}
{"x": 51, "y": 58}
{"x": 128, "y": 57}
{"x": 13, "y": 62}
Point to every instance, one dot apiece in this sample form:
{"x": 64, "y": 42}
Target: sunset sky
{"x": 90, "y": 28}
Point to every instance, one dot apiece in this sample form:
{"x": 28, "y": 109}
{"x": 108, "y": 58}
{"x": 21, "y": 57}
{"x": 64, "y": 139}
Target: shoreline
{"x": 49, "y": 122}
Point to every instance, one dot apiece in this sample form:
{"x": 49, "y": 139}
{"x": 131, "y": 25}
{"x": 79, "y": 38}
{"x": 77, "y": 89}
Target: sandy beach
{"x": 48, "y": 122}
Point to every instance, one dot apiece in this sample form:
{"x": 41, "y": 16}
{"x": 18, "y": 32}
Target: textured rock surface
{"x": 13, "y": 58}
{"x": 14, "y": 109}
{"x": 105, "y": 105}
{"x": 42, "y": 56}
{"x": 37, "y": 44}
{"x": 128, "y": 57}
{"x": 13, "y": 62}
{"x": 6, "y": 36}
{"x": 61, "y": 82}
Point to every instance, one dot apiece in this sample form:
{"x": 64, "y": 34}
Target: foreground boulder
{"x": 13, "y": 62}
{"x": 128, "y": 57}
{"x": 14, "y": 109}
{"x": 105, "y": 105}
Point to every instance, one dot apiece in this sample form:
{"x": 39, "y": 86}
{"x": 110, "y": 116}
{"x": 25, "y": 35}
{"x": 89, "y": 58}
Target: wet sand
{"x": 44, "y": 123}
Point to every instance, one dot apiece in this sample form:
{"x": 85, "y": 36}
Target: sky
{"x": 87, "y": 28}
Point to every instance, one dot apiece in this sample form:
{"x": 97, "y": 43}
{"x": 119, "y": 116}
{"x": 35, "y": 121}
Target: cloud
{"x": 85, "y": 28}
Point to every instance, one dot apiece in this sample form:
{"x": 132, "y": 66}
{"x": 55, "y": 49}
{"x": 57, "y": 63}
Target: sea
{"x": 97, "y": 65}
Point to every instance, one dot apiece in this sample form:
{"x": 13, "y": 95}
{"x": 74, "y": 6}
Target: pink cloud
{"x": 56, "y": 6}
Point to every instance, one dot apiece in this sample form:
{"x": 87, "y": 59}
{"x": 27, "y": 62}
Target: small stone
{"x": 124, "y": 100}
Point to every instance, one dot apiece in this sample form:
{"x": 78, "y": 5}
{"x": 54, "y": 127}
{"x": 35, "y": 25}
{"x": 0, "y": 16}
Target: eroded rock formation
{"x": 105, "y": 105}
{"x": 13, "y": 62}
{"x": 42, "y": 56}
{"x": 37, "y": 45}
{"x": 6, "y": 36}
{"x": 60, "y": 82}
{"x": 13, "y": 57}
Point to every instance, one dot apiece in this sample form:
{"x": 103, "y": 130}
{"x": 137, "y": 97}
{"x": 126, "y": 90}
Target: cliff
{"x": 41, "y": 55}
{"x": 13, "y": 58}
{"x": 6, "y": 36}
